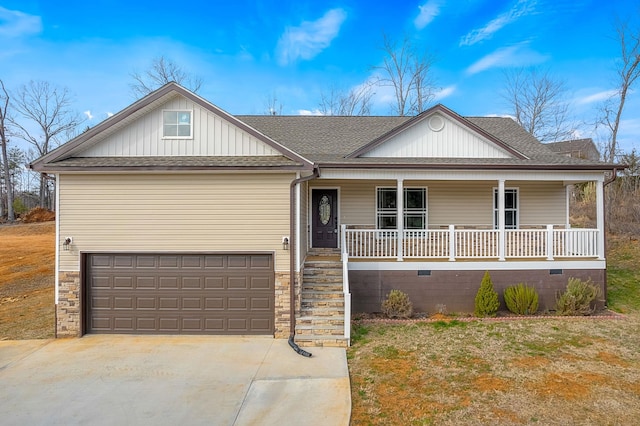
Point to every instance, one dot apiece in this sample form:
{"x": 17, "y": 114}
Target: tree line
{"x": 41, "y": 114}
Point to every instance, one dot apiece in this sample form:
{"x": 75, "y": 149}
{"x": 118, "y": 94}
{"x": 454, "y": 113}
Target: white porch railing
{"x": 454, "y": 243}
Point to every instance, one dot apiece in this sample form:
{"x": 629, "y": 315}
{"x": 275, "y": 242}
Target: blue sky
{"x": 247, "y": 51}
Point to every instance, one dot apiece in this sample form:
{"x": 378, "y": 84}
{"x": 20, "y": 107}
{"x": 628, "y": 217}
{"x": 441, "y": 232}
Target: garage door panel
{"x": 146, "y": 262}
{"x": 167, "y": 294}
{"x": 123, "y": 262}
{"x": 168, "y": 262}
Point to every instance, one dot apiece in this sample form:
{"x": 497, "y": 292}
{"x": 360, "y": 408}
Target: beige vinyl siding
{"x": 542, "y": 203}
{"x": 212, "y": 136}
{"x": 453, "y": 141}
{"x": 174, "y": 213}
{"x": 454, "y": 202}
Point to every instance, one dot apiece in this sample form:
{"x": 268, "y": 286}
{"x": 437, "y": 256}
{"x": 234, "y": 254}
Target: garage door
{"x": 180, "y": 293}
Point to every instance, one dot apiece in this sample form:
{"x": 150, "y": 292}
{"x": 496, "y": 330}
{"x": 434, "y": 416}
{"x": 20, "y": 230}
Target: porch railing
{"x": 455, "y": 243}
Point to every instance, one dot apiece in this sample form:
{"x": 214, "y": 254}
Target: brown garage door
{"x": 180, "y": 293}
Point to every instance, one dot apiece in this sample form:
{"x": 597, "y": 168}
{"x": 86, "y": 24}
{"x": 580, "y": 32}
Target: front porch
{"x": 461, "y": 242}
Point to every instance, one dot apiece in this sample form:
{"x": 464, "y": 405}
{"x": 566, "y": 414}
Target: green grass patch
{"x": 444, "y": 325}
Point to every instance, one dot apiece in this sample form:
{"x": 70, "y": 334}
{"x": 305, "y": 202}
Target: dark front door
{"x": 324, "y": 216}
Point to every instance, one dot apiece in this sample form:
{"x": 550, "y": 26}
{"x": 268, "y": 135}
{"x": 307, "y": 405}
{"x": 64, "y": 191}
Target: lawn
{"x": 543, "y": 371}
{"x": 27, "y": 254}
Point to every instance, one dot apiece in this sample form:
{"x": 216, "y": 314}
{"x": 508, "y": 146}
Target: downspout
{"x": 614, "y": 176}
{"x": 292, "y": 259}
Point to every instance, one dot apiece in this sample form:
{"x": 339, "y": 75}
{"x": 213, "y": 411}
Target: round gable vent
{"x": 436, "y": 123}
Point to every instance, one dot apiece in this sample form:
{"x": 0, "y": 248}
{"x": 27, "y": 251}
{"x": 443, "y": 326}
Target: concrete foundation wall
{"x": 457, "y": 289}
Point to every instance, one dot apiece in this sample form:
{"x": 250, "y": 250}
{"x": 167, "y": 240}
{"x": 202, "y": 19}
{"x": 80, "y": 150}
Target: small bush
{"x": 487, "y": 302}
{"x": 521, "y": 299}
{"x": 397, "y": 305}
{"x": 578, "y": 298}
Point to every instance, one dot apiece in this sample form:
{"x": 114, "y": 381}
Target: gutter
{"x": 292, "y": 259}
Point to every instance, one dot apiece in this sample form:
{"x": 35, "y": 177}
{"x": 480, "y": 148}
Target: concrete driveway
{"x": 171, "y": 380}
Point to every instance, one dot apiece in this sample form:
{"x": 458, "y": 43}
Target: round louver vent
{"x": 436, "y": 123}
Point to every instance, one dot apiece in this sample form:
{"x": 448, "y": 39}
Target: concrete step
{"x": 322, "y": 303}
{"x": 322, "y": 271}
{"x": 323, "y": 311}
{"x": 316, "y": 320}
{"x": 312, "y": 330}
{"x": 321, "y": 341}
{"x": 321, "y": 294}
{"x": 330, "y": 287}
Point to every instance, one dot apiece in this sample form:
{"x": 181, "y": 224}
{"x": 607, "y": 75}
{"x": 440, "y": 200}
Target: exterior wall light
{"x": 285, "y": 243}
{"x": 67, "y": 242}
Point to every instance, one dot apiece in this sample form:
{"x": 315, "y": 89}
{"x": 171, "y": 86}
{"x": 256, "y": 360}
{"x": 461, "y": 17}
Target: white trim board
{"x": 476, "y": 266}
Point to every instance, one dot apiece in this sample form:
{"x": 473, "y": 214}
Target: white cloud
{"x": 520, "y": 9}
{"x": 444, "y": 93}
{"x": 88, "y": 114}
{"x": 109, "y": 114}
{"x": 596, "y": 97}
{"x": 14, "y": 24}
{"x": 428, "y": 12}
{"x": 310, "y": 38}
{"x": 517, "y": 55}
{"x": 309, "y": 112}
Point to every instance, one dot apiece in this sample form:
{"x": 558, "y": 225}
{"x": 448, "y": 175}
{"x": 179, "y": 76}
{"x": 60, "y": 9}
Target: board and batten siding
{"x": 454, "y": 202}
{"x": 174, "y": 213}
{"x": 212, "y": 136}
{"x": 451, "y": 141}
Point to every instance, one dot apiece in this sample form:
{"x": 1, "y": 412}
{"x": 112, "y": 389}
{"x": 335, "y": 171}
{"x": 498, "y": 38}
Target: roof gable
{"x": 136, "y": 131}
{"x": 437, "y": 133}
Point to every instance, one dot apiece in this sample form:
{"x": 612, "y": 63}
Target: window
{"x": 510, "y": 208}
{"x": 177, "y": 124}
{"x": 414, "y": 208}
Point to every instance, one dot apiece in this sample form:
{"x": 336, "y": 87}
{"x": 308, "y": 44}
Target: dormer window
{"x": 177, "y": 124}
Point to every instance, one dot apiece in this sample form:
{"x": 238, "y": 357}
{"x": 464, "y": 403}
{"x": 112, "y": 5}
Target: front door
{"x": 324, "y": 217}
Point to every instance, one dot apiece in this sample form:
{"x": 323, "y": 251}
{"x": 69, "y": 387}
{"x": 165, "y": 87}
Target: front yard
{"x": 505, "y": 372}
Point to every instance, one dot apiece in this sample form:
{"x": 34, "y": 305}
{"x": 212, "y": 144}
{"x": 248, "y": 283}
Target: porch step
{"x": 328, "y": 341}
{"x": 321, "y": 320}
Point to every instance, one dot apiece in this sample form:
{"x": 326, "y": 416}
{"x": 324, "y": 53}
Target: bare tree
{"x": 356, "y": 101}
{"x": 273, "y": 106}
{"x": 408, "y": 72}
{"x": 162, "y": 71}
{"x": 627, "y": 72}
{"x": 47, "y": 109}
{"x": 539, "y": 103}
{"x": 4, "y": 141}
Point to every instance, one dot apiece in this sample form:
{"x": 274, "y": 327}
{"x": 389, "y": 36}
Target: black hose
{"x": 298, "y": 349}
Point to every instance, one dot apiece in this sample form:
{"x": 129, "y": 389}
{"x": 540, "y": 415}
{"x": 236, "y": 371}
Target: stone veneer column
{"x": 68, "y": 307}
{"x": 282, "y": 302}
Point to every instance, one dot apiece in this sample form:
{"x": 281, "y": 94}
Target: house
{"x": 174, "y": 216}
{"x": 576, "y": 148}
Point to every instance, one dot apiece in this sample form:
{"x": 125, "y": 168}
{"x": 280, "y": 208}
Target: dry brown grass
{"x": 27, "y": 281}
{"x": 543, "y": 371}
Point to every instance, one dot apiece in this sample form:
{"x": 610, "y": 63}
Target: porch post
{"x": 600, "y": 217}
{"x": 400, "y": 216}
{"x": 501, "y": 231}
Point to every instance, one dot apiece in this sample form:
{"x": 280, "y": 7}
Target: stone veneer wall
{"x": 68, "y": 321}
{"x": 282, "y": 303}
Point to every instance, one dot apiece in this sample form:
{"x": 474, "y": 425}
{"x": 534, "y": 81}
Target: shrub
{"x": 521, "y": 299}
{"x": 487, "y": 302}
{"x": 397, "y": 305}
{"x": 578, "y": 298}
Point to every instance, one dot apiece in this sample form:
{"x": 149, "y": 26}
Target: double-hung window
{"x": 510, "y": 208}
{"x": 414, "y": 210}
{"x": 177, "y": 124}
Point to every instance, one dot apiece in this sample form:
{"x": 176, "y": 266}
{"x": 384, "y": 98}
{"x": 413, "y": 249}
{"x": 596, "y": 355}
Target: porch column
{"x": 600, "y": 217}
{"x": 400, "y": 216}
{"x": 501, "y": 231}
